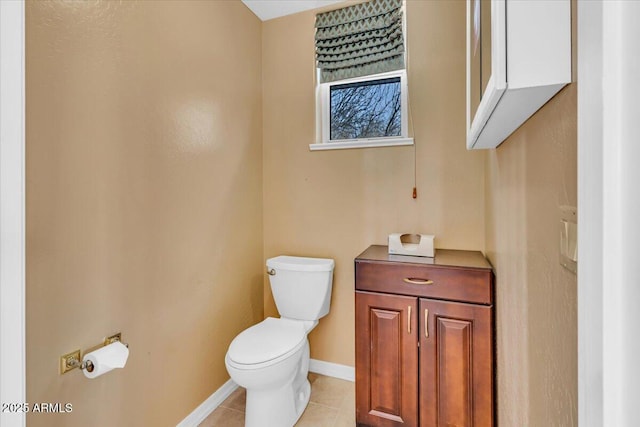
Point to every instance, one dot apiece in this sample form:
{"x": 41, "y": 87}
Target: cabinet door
{"x": 456, "y": 365}
{"x": 386, "y": 360}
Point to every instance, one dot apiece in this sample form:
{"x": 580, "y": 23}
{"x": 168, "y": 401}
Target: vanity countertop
{"x": 443, "y": 257}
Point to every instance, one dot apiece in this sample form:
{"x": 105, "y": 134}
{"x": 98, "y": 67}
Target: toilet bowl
{"x": 273, "y": 372}
{"x": 271, "y": 358}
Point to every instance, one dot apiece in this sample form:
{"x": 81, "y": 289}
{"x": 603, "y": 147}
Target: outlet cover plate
{"x": 569, "y": 238}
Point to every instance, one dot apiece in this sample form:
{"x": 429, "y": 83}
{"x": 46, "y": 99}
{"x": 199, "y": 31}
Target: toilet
{"x": 271, "y": 359}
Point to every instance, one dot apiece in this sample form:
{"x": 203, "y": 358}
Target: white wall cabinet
{"x": 518, "y": 57}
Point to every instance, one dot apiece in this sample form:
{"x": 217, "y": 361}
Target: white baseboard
{"x": 208, "y": 406}
{"x": 334, "y": 370}
{"x": 329, "y": 369}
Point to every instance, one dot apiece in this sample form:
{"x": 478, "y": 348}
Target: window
{"x": 368, "y": 109}
{"x": 361, "y": 98}
{"x": 363, "y": 112}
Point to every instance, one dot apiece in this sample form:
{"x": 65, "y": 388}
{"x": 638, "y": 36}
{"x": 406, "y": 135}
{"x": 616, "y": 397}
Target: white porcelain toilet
{"x": 271, "y": 359}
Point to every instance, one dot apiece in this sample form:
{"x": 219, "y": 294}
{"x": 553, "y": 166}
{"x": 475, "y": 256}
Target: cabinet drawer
{"x": 450, "y": 283}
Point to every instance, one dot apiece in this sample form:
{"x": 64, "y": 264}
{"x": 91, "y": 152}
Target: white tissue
{"x": 106, "y": 358}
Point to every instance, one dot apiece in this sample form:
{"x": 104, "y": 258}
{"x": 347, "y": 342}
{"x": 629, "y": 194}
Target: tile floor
{"x": 332, "y": 404}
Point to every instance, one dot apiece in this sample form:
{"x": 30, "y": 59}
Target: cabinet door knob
{"x": 426, "y": 322}
{"x": 415, "y": 281}
{"x": 409, "y": 319}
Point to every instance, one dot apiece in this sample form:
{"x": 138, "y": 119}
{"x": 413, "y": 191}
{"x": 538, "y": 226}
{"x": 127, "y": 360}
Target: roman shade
{"x": 360, "y": 40}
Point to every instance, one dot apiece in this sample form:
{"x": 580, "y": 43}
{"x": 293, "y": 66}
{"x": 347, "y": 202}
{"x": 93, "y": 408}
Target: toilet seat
{"x": 266, "y": 343}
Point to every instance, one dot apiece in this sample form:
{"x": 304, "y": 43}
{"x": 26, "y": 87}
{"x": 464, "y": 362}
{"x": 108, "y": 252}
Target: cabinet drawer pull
{"x": 426, "y": 322}
{"x": 409, "y": 319}
{"x": 415, "y": 281}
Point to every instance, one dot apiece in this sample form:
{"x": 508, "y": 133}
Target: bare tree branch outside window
{"x": 369, "y": 109}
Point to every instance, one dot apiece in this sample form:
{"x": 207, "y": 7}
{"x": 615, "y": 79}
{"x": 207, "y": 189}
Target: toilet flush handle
{"x": 271, "y": 272}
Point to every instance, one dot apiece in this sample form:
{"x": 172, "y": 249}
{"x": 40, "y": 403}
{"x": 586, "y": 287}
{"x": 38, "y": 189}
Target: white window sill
{"x": 363, "y": 143}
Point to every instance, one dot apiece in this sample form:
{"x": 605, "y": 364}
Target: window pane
{"x": 366, "y": 109}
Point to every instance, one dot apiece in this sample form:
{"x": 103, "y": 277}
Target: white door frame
{"x": 12, "y": 220}
{"x": 608, "y": 213}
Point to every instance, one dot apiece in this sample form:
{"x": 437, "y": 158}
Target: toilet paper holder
{"x": 72, "y": 360}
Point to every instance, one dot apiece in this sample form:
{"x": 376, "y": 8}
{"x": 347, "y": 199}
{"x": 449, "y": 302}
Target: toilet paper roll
{"x": 106, "y": 358}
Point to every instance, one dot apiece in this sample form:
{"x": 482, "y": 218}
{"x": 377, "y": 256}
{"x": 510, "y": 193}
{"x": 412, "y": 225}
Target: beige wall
{"x": 337, "y": 203}
{"x": 144, "y": 201}
{"x": 528, "y": 178}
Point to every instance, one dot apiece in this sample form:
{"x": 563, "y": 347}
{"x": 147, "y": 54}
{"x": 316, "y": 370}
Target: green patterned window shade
{"x": 360, "y": 40}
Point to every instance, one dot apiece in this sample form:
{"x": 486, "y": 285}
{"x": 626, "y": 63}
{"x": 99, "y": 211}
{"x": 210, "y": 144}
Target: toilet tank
{"x": 301, "y": 286}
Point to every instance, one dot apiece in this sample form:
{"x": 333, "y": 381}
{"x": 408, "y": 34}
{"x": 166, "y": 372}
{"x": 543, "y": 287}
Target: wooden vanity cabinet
{"x": 423, "y": 360}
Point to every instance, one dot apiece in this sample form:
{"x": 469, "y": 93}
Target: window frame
{"x": 323, "y": 116}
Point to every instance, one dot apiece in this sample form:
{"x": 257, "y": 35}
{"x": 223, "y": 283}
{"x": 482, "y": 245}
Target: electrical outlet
{"x": 569, "y": 238}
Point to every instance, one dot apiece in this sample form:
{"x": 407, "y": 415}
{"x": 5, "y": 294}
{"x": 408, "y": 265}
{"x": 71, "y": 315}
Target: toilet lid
{"x": 266, "y": 341}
